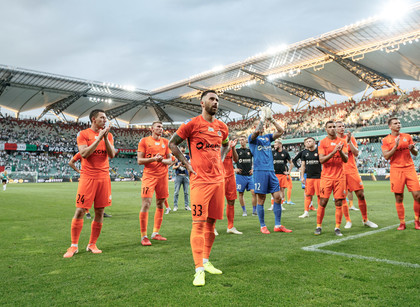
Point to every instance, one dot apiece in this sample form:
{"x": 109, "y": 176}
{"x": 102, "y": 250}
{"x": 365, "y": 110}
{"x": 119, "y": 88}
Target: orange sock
{"x": 319, "y": 200}
{"x": 166, "y": 203}
{"x": 208, "y": 239}
{"x": 197, "y": 243}
{"x": 76, "y": 229}
{"x": 338, "y": 216}
{"x": 416, "y": 210}
{"x": 158, "y": 219}
{"x": 351, "y": 203}
{"x": 319, "y": 216}
{"x": 363, "y": 209}
{"x": 289, "y": 194}
{"x": 230, "y": 214}
{"x": 307, "y": 202}
{"x": 95, "y": 232}
{"x": 345, "y": 209}
{"x": 272, "y": 201}
{"x": 144, "y": 218}
{"x": 400, "y": 212}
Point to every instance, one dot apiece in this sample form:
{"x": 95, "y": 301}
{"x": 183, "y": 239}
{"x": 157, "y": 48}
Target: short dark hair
{"x": 95, "y": 113}
{"x": 207, "y": 92}
{"x": 329, "y": 122}
{"x": 309, "y": 137}
{"x": 391, "y": 119}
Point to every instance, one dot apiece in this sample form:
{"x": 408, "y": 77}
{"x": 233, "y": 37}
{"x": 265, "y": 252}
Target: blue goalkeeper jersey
{"x": 261, "y": 150}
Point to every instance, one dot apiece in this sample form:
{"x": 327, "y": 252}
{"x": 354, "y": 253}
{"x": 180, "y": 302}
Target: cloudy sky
{"x": 150, "y": 44}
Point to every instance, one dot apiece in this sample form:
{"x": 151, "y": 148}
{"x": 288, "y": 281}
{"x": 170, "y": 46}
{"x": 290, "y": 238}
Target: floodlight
{"x": 394, "y": 10}
{"x": 218, "y": 68}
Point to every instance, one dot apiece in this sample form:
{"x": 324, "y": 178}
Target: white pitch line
{"x": 315, "y": 248}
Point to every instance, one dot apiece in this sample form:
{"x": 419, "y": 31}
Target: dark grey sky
{"x": 153, "y": 43}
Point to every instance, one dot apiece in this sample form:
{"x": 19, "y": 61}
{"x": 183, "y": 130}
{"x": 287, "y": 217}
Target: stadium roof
{"x": 370, "y": 53}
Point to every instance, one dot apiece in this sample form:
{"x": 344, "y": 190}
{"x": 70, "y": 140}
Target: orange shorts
{"x": 97, "y": 191}
{"x": 230, "y": 188}
{"x": 354, "y": 182}
{"x": 282, "y": 180}
{"x": 401, "y": 177}
{"x": 312, "y": 186}
{"x": 207, "y": 200}
{"x": 151, "y": 184}
{"x": 338, "y": 187}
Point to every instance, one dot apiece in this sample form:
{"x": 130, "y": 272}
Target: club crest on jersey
{"x": 248, "y": 153}
{"x": 211, "y": 129}
{"x": 219, "y": 133}
{"x": 316, "y": 155}
{"x": 163, "y": 145}
{"x": 404, "y": 139}
{"x": 266, "y": 139}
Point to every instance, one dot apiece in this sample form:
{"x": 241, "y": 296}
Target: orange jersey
{"x": 402, "y": 157}
{"x": 228, "y": 164}
{"x": 205, "y": 141}
{"x": 350, "y": 167}
{"x": 151, "y": 147}
{"x": 333, "y": 168}
{"x": 77, "y": 157}
{"x": 96, "y": 166}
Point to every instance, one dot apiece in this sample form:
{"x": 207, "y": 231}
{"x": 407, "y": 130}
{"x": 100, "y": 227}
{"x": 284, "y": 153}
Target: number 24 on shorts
{"x": 80, "y": 198}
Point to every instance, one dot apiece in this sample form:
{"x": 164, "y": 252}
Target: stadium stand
{"x": 47, "y": 146}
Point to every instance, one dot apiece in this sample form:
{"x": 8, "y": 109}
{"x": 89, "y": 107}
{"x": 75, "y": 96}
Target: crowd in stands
{"x": 56, "y": 141}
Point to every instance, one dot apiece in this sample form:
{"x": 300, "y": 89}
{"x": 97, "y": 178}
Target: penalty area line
{"x": 316, "y": 248}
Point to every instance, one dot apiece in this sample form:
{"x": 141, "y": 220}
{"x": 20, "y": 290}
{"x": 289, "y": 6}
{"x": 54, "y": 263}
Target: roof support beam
{"x": 59, "y": 106}
{"x": 303, "y": 92}
{"x": 243, "y": 101}
{"x": 161, "y": 114}
{"x": 117, "y": 111}
{"x": 5, "y": 82}
{"x": 368, "y": 75}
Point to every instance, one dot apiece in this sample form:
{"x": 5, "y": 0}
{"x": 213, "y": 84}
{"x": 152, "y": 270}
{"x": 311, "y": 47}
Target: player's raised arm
{"x": 414, "y": 151}
{"x": 108, "y": 145}
{"x": 258, "y": 130}
{"x": 389, "y": 153}
{"x": 173, "y": 146}
{"x": 354, "y": 149}
{"x": 279, "y": 128}
{"x": 344, "y": 156}
{"x": 226, "y": 146}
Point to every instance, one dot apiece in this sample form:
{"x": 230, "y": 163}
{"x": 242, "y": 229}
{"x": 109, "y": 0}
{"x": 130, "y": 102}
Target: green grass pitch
{"x": 258, "y": 270}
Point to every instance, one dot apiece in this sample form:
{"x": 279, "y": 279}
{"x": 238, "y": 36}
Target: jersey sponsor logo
{"x": 99, "y": 152}
{"x": 260, "y": 147}
{"x": 201, "y": 145}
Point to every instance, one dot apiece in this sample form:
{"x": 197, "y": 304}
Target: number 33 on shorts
{"x": 197, "y": 210}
